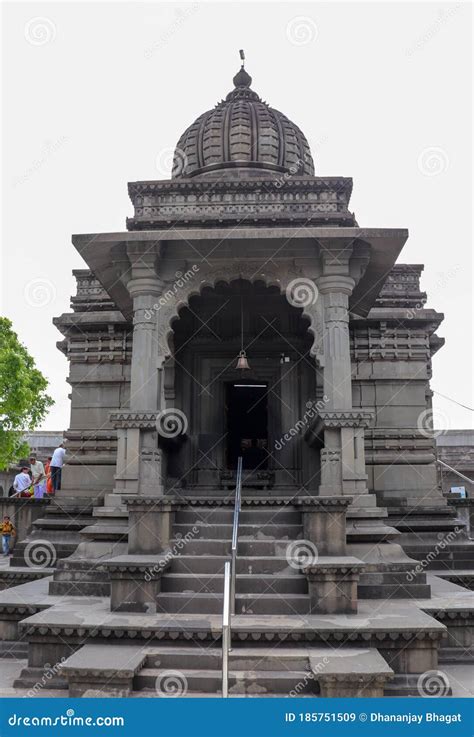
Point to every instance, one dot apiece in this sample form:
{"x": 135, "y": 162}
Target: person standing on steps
{"x": 8, "y": 531}
{"x": 57, "y": 463}
{"x": 22, "y": 483}
{"x": 38, "y": 476}
{"x": 47, "y": 472}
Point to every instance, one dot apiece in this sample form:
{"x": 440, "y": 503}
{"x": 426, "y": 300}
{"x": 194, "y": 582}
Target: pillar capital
{"x": 336, "y": 283}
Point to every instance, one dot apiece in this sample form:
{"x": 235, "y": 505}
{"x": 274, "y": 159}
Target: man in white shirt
{"x": 37, "y": 474}
{"x": 22, "y": 481}
{"x": 57, "y": 462}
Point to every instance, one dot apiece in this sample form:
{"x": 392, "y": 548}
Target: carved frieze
{"x": 261, "y": 201}
{"x": 133, "y": 419}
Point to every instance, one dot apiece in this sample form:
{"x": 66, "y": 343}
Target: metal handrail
{"x": 230, "y": 569}
{"x": 235, "y": 533}
{"x": 226, "y": 634}
{"x": 453, "y": 470}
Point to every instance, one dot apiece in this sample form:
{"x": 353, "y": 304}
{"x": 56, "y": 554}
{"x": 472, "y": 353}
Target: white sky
{"x": 374, "y": 86}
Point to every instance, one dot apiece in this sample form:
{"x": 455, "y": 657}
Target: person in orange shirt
{"x": 47, "y": 473}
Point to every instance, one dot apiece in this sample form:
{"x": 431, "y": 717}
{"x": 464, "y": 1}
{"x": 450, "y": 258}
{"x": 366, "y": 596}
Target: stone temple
{"x": 347, "y": 547}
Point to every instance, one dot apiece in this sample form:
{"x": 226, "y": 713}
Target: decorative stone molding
{"x": 324, "y": 502}
{"x": 353, "y": 566}
{"x": 262, "y": 201}
{"x": 167, "y": 629}
{"x": 129, "y": 565}
{"x": 353, "y": 685}
{"x": 346, "y": 418}
{"x": 203, "y": 501}
{"x": 331, "y": 458}
{"x": 147, "y": 503}
{"x": 133, "y": 419}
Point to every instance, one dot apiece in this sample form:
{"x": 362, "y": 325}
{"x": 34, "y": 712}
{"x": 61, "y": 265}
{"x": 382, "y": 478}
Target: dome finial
{"x": 242, "y": 79}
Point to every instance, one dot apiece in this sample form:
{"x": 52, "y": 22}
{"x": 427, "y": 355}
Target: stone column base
{"x": 332, "y": 585}
{"x": 150, "y": 524}
{"x": 324, "y": 522}
{"x": 135, "y": 581}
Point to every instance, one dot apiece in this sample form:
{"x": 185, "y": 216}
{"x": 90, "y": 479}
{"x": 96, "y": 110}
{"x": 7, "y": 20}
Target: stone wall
{"x": 23, "y": 512}
{"x": 391, "y": 353}
{"x": 97, "y": 343}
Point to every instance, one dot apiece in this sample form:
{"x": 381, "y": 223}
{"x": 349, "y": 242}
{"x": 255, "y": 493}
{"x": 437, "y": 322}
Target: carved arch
{"x": 280, "y": 276}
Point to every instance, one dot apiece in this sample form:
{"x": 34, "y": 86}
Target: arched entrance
{"x": 249, "y": 413}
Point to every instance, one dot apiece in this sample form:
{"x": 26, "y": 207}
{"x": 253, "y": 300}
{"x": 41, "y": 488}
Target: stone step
{"x": 393, "y": 591}
{"x": 212, "y": 564}
{"x": 224, "y": 531}
{"x": 184, "y": 603}
{"x": 17, "y": 650}
{"x": 392, "y": 577}
{"x": 255, "y": 515}
{"x": 53, "y": 550}
{"x": 32, "y": 678}
{"x": 240, "y": 681}
{"x": 79, "y": 588}
{"x": 104, "y": 531}
{"x": 192, "y": 695}
{"x": 109, "y": 512}
{"x": 202, "y": 583}
{"x": 61, "y": 523}
{"x": 460, "y": 576}
{"x": 240, "y": 658}
{"x": 247, "y": 547}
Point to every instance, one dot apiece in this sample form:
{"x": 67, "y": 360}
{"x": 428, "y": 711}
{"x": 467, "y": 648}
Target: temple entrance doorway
{"x": 258, "y": 412}
{"x": 247, "y": 424}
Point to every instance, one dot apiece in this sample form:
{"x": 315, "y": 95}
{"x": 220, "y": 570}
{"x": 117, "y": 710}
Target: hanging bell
{"x": 242, "y": 362}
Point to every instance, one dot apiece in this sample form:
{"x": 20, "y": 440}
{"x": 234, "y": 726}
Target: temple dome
{"x": 242, "y": 133}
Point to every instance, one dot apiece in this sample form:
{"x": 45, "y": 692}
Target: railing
{"x": 235, "y": 533}
{"x": 226, "y": 633}
{"x": 453, "y": 470}
{"x": 230, "y": 570}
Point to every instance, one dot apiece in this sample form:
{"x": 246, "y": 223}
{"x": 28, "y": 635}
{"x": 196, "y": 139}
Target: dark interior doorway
{"x": 247, "y": 424}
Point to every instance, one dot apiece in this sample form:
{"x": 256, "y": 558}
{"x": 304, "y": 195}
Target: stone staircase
{"x": 198, "y": 671}
{"x": 265, "y": 583}
{"x": 56, "y": 535}
{"x": 194, "y": 670}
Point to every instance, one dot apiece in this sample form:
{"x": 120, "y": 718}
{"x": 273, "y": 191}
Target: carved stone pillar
{"x": 139, "y": 459}
{"x": 335, "y": 291}
{"x": 342, "y": 456}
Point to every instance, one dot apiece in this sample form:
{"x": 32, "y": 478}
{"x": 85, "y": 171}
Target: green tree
{"x": 23, "y": 399}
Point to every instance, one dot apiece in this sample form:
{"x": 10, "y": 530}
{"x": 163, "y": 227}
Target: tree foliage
{"x": 24, "y": 402}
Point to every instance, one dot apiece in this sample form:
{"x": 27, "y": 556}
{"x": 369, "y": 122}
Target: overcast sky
{"x": 97, "y": 94}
